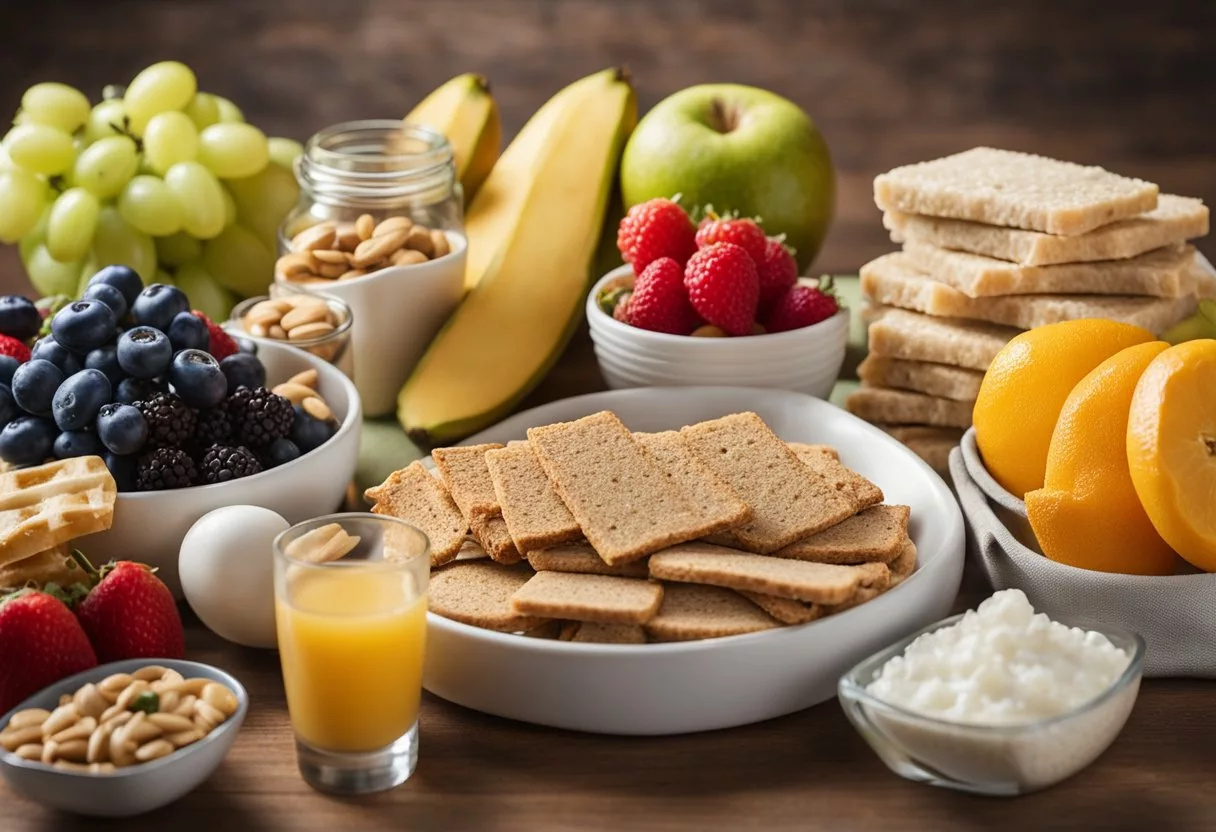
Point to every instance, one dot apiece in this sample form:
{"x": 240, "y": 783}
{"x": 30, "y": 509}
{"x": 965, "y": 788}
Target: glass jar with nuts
{"x": 316, "y": 323}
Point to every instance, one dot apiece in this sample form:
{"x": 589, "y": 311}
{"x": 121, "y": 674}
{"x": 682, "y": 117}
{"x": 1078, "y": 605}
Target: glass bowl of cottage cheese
{"x": 999, "y": 700}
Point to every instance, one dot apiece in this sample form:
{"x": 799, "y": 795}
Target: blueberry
{"x": 308, "y": 432}
{"x": 34, "y": 386}
{"x": 246, "y": 345}
{"x": 83, "y": 325}
{"x": 243, "y": 370}
{"x": 144, "y": 352}
{"x": 106, "y": 359}
{"x": 8, "y": 405}
{"x": 280, "y": 451}
{"x": 122, "y": 469}
{"x": 122, "y": 428}
{"x": 8, "y": 366}
{"x": 132, "y": 390}
{"x": 19, "y": 318}
{"x": 110, "y": 296}
{"x": 51, "y": 350}
{"x": 158, "y": 305}
{"x": 196, "y": 377}
{"x": 77, "y": 443}
{"x": 122, "y": 278}
{"x": 79, "y": 398}
{"x": 27, "y": 440}
{"x": 188, "y": 332}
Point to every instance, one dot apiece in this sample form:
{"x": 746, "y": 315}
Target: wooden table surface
{"x": 1125, "y": 85}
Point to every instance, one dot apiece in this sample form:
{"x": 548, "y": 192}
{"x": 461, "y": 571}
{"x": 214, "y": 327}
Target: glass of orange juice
{"x": 350, "y": 604}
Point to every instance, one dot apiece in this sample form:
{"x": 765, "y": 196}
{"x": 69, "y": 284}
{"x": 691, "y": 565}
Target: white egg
{"x": 227, "y": 571}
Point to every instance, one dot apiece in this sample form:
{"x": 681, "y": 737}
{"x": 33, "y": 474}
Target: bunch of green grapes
{"x": 158, "y": 176}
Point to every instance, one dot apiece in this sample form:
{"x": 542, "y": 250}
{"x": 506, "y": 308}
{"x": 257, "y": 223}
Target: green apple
{"x": 740, "y": 149}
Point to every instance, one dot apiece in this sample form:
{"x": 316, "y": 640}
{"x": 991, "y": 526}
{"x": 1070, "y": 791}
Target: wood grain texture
{"x": 1125, "y": 85}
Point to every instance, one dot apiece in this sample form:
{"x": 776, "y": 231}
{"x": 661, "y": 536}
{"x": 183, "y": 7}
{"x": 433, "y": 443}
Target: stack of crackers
{"x": 997, "y": 242}
{"x": 589, "y": 532}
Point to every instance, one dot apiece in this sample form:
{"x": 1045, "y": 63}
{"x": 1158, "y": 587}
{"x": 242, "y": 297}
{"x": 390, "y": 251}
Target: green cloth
{"x": 386, "y": 448}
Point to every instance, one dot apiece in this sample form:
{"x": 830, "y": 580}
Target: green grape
{"x": 168, "y": 85}
{"x": 203, "y": 110}
{"x": 105, "y": 119}
{"x": 35, "y": 237}
{"x": 23, "y": 196}
{"x": 177, "y": 249}
{"x": 164, "y": 277}
{"x": 40, "y": 149}
{"x": 239, "y": 261}
{"x": 263, "y": 200}
{"x": 51, "y": 277}
{"x": 229, "y": 112}
{"x": 149, "y": 206}
{"x": 170, "y": 138}
{"x": 6, "y": 162}
{"x": 205, "y": 293}
{"x": 285, "y": 151}
{"x": 117, "y": 243}
{"x": 55, "y": 105}
{"x": 69, "y": 230}
{"x": 200, "y": 196}
{"x": 107, "y": 165}
{"x": 232, "y": 151}
{"x": 229, "y": 207}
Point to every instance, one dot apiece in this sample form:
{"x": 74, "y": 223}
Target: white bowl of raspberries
{"x": 712, "y": 303}
{"x": 181, "y": 413}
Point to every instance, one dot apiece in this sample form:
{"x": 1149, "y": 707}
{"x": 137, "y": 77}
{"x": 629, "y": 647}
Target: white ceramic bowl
{"x": 717, "y": 683}
{"x": 149, "y": 526}
{"x": 136, "y": 789}
{"x": 805, "y": 360}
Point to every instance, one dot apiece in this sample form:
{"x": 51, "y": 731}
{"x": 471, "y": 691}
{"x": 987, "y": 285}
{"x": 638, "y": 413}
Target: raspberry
{"x": 778, "y": 272}
{"x": 659, "y": 301}
{"x": 654, "y": 229}
{"x": 741, "y": 232}
{"x": 222, "y": 344}
{"x": 802, "y": 306}
{"x": 723, "y": 287}
{"x": 13, "y": 348}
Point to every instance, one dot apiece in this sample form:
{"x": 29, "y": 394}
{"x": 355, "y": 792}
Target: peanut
{"x": 79, "y": 731}
{"x": 62, "y": 717}
{"x": 154, "y": 750}
{"x": 29, "y": 751}
{"x": 321, "y": 235}
{"x": 308, "y": 378}
{"x": 365, "y": 226}
{"x": 28, "y": 717}
{"x": 89, "y": 701}
{"x": 13, "y": 738}
{"x": 359, "y": 248}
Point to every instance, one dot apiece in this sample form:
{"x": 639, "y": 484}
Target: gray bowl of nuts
{"x": 123, "y": 738}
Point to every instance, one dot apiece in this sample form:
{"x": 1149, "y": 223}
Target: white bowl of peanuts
{"x": 123, "y": 738}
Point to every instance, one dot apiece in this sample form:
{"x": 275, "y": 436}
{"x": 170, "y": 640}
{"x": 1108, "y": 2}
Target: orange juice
{"x": 351, "y": 642}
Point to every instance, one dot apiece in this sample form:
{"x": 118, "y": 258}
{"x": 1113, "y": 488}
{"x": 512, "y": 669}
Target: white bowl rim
{"x": 616, "y": 354}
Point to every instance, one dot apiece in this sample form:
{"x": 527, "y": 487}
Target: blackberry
{"x": 165, "y": 468}
{"x": 260, "y": 417}
{"x": 170, "y": 421}
{"x": 222, "y": 463}
{"x": 214, "y": 427}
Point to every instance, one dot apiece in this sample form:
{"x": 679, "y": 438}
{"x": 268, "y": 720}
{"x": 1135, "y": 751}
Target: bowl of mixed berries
{"x": 186, "y": 418}
{"x": 714, "y": 301}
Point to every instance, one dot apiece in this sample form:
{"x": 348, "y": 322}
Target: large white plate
{"x": 718, "y": 683}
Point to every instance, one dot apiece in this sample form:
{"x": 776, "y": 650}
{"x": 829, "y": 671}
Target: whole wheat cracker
{"x": 581, "y": 559}
{"x": 590, "y": 632}
{"x": 468, "y": 480}
{"x": 789, "y": 499}
{"x": 893, "y": 280}
{"x": 1019, "y": 190}
{"x": 826, "y": 462}
{"x": 957, "y": 383}
{"x": 879, "y": 404}
{"x": 912, "y": 336}
{"x": 691, "y": 612}
{"x": 803, "y": 447}
{"x": 1175, "y": 219}
{"x": 492, "y": 533}
{"x": 412, "y": 494}
{"x": 875, "y": 534}
{"x": 623, "y": 501}
{"x": 535, "y": 515}
{"x": 904, "y": 565}
{"x": 709, "y": 493}
{"x": 600, "y": 598}
{"x": 1164, "y": 273}
{"x": 478, "y": 592}
{"x": 932, "y": 444}
{"x": 786, "y": 610}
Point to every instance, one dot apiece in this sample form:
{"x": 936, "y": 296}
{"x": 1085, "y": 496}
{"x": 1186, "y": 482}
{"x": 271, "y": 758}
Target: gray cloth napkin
{"x": 1176, "y": 615}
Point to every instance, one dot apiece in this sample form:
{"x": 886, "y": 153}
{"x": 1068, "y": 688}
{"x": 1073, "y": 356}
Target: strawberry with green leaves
{"x": 130, "y": 614}
{"x": 41, "y": 642}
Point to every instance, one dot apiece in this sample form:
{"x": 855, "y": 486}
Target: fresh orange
{"x": 1025, "y": 387}
{"x": 1087, "y": 513}
{"x": 1171, "y": 448}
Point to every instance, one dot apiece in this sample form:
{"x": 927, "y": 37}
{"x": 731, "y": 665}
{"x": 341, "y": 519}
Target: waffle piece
{"x": 898, "y": 333}
{"x": 536, "y": 517}
{"x": 478, "y": 592}
{"x": 941, "y": 380}
{"x": 600, "y": 598}
{"x": 412, "y": 494}
{"x": 690, "y": 612}
{"x": 48, "y": 505}
{"x": 52, "y": 566}
{"x": 874, "y": 535}
{"x": 581, "y": 559}
{"x": 878, "y": 404}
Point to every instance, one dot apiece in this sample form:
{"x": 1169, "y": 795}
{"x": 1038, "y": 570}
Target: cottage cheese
{"x": 1002, "y": 664}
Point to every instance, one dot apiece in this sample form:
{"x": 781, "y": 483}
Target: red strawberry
{"x": 802, "y": 306}
{"x": 723, "y": 287}
{"x": 659, "y": 301}
{"x": 778, "y": 272}
{"x": 654, "y": 229}
{"x": 130, "y": 614}
{"x": 744, "y": 233}
{"x": 222, "y": 344}
{"x": 41, "y": 642}
{"x": 12, "y": 347}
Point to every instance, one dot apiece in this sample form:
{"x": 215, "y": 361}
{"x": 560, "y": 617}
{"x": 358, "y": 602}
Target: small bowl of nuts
{"x": 123, "y": 738}
{"x": 316, "y": 323}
